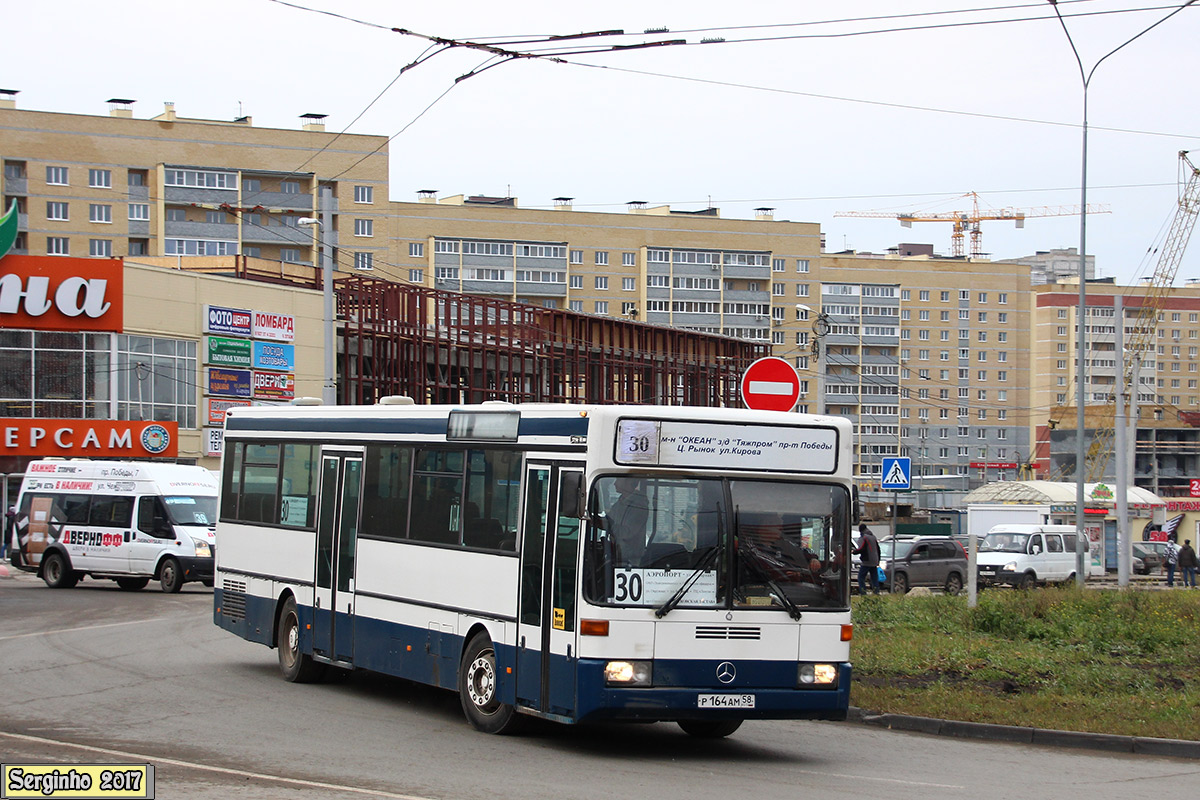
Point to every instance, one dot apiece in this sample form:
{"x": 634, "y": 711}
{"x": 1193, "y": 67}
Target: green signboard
{"x": 222, "y": 352}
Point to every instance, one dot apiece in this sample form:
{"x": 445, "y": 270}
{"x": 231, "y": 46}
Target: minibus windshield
{"x": 189, "y": 510}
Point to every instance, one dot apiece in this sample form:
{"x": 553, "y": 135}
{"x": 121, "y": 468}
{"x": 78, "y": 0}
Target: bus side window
{"x": 152, "y": 518}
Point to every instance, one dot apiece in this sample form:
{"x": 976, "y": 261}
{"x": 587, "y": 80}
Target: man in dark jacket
{"x": 868, "y": 565}
{"x": 1188, "y": 563}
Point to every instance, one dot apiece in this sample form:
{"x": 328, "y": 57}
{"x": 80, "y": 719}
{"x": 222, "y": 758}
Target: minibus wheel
{"x": 132, "y": 584}
{"x": 56, "y": 572}
{"x": 297, "y": 667}
{"x": 478, "y": 689}
{"x": 709, "y": 729}
{"x": 170, "y": 576}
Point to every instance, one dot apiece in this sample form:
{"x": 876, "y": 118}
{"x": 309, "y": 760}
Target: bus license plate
{"x": 725, "y": 701}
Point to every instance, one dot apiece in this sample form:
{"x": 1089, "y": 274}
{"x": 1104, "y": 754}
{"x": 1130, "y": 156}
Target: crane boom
{"x": 968, "y": 221}
{"x": 1142, "y": 337}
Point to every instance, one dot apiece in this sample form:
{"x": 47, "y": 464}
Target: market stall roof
{"x": 1055, "y": 493}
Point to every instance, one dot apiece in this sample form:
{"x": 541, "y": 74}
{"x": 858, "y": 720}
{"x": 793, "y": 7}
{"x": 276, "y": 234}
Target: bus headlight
{"x": 1010, "y": 566}
{"x": 825, "y": 675}
{"x": 202, "y": 549}
{"x": 627, "y": 673}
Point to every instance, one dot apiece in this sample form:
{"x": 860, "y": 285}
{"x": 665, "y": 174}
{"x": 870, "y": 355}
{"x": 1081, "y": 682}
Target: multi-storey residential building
{"x": 120, "y": 186}
{"x": 1055, "y": 266}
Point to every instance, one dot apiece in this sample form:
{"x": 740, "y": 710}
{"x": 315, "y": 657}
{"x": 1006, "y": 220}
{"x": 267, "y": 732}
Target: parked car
{"x": 937, "y": 561}
{"x": 1152, "y": 554}
{"x": 1026, "y": 555}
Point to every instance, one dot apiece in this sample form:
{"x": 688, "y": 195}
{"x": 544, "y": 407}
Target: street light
{"x": 1080, "y": 394}
{"x": 328, "y": 378}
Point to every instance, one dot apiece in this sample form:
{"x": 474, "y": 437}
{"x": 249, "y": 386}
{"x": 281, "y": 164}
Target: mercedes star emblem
{"x": 726, "y": 672}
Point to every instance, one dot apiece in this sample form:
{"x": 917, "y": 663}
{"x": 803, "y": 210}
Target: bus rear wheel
{"x": 709, "y": 729}
{"x": 132, "y": 584}
{"x": 56, "y": 572}
{"x": 297, "y": 667}
{"x": 478, "y": 690}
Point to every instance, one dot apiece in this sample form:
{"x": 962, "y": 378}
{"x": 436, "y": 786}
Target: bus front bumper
{"x": 763, "y": 700}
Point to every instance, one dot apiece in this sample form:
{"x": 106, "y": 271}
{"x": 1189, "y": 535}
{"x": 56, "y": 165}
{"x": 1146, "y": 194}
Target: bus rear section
{"x": 534, "y": 560}
{"x": 130, "y": 522}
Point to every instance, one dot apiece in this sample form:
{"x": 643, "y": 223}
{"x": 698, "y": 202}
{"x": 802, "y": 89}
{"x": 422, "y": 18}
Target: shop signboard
{"x": 61, "y": 293}
{"x": 223, "y": 352}
{"x": 275, "y": 385}
{"x": 276, "y": 327}
{"x": 88, "y": 438}
{"x": 217, "y": 409}
{"x": 228, "y": 382}
{"x": 231, "y": 321}
{"x": 272, "y": 356}
{"x": 214, "y": 441}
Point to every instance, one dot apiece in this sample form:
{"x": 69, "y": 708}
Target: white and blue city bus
{"x": 570, "y": 562}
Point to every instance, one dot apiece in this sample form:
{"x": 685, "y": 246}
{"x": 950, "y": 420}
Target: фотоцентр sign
{"x": 232, "y": 321}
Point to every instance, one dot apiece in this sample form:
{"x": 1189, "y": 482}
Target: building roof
{"x": 1055, "y": 493}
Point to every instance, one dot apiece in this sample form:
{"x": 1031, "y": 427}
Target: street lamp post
{"x": 1080, "y": 450}
{"x": 328, "y": 377}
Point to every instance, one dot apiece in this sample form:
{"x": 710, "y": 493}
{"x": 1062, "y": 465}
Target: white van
{"x": 121, "y": 520}
{"x": 1025, "y": 555}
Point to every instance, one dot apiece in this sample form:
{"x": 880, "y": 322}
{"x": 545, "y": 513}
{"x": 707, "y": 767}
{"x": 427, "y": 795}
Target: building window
{"x": 576, "y": 257}
{"x": 176, "y": 215}
{"x": 289, "y": 255}
{"x": 364, "y": 261}
{"x": 601, "y": 306}
{"x": 100, "y": 178}
{"x": 58, "y": 246}
{"x": 801, "y": 265}
{"x": 156, "y": 379}
{"x": 576, "y": 281}
{"x": 250, "y": 252}
{"x": 56, "y": 176}
{"x": 602, "y": 259}
{"x": 200, "y": 247}
{"x": 601, "y": 282}
{"x": 983, "y": 297}
{"x": 576, "y": 306}
{"x": 56, "y": 210}
{"x": 251, "y": 185}
{"x": 364, "y": 227}
{"x": 289, "y": 187}
{"x": 100, "y": 247}
{"x": 416, "y": 249}
{"x": 924, "y": 296}
{"x": 629, "y": 284}
{"x": 215, "y": 217}
{"x": 99, "y": 212}
{"x": 778, "y": 264}
{"x": 629, "y": 309}
{"x": 629, "y": 259}
{"x": 200, "y": 179}
{"x": 802, "y": 290}
{"x": 139, "y": 211}
{"x": 364, "y": 194}
{"x": 777, "y": 289}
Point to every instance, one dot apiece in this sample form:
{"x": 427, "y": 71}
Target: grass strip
{"x": 1123, "y": 662}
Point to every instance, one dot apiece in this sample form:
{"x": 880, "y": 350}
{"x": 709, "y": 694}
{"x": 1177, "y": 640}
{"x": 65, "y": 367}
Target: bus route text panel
{"x": 721, "y": 446}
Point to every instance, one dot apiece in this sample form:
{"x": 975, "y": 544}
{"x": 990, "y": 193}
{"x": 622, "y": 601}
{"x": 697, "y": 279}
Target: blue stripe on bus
{"x": 432, "y": 657}
{"x": 435, "y": 426}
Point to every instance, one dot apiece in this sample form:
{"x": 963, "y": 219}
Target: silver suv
{"x": 937, "y": 561}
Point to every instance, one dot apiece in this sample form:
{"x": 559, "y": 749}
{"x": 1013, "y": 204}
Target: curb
{"x": 1113, "y": 743}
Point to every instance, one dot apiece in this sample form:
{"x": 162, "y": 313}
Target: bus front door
{"x": 546, "y": 629}
{"x": 337, "y": 541}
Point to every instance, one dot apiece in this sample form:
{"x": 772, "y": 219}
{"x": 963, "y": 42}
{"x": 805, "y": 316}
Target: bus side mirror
{"x": 570, "y": 503}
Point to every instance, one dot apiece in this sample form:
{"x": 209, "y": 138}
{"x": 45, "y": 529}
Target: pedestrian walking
{"x": 1188, "y": 563}
{"x": 868, "y": 565}
{"x": 1172, "y": 558}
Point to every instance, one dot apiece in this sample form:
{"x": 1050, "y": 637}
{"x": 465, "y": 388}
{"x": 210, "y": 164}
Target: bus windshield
{"x": 189, "y": 510}
{"x": 740, "y": 543}
{"x": 1006, "y": 542}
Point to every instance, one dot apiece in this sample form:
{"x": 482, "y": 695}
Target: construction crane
{"x": 1142, "y": 338}
{"x": 967, "y": 222}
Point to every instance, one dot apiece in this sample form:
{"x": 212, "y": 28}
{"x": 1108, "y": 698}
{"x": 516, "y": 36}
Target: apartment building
{"x": 119, "y": 186}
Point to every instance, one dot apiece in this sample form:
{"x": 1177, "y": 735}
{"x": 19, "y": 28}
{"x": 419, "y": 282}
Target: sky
{"x": 808, "y": 108}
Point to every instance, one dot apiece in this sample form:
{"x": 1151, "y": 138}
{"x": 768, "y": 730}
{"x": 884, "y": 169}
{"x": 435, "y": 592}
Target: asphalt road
{"x": 93, "y": 674}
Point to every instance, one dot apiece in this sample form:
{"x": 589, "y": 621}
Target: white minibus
{"x": 121, "y": 520}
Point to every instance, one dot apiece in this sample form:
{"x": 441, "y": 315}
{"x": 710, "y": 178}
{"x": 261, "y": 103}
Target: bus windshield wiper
{"x": 705, "y": 562}
{"x": 751, "y": 555}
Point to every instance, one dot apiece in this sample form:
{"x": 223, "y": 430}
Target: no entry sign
{"x": 771, "y": 384}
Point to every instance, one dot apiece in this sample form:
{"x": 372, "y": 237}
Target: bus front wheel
{"x": 709, "y": 729}
{"x": 478, "y": 691}
{"x": 170, "y": 576}
{"x": 297, "y": 667}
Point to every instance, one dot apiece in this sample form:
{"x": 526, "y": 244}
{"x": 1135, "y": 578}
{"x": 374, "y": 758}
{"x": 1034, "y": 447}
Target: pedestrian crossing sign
{"x": 897, "y": 474}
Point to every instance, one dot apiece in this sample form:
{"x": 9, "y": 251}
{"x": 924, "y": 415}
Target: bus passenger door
{"x": 546, "y": 630}
{"x": 337, "y": 542}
